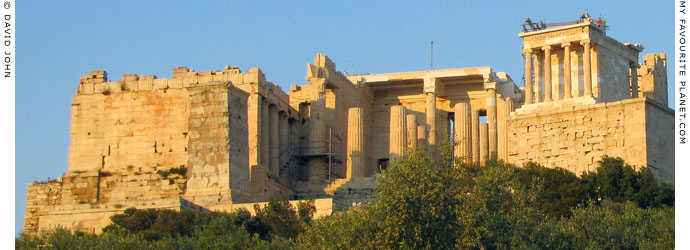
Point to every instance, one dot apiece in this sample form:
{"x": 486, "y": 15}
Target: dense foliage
{"x": 425, "y": 204}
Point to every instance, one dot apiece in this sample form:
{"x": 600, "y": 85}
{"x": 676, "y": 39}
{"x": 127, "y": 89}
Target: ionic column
{"x": 528, "y": 76}
{"x": 273, "y": 151}
{"x": 475, "y": 136}
{"x": 421, "y": 137}
{"x": 463, "y": 130}
{"x": 397, "y": 132}
{"x": 491, "y": 120}
{"x": 355, "y": 143}
{"x": 431, "y": 122}
{"x": 483, "y": 142}
{"x": 566, "y": 71}
{"x": 538, "y": 68}
{"x": 411, "y": 131}
{"x": 265, "y": 136}
{"x": 587, "y": 67}
{"x": 547, "y": 73}
{"x": 633, "y": 79}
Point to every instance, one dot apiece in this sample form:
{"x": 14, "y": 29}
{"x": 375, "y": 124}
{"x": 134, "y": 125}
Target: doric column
{"x": 411, "y": 131}
{"x": 463, "y": 130}
{"x": 491, "y": 120}
{"x": 284, "y": 136}
{"x": 566, "y": 71}
{"x": 431, "y": 122}
{"x": 587, "y": 67}
{"x": 501, "y": 108}
{"x": 633, "y": 79}
{"x": 273, "y": 150}
{"x": 528, "y": 76}
{"x": 483, "y": 142}
{"x": 475, "y": 136}
{"x": 421, "y": 137}
{"x": 318, "y": 138}
{"x": 317, "y": 114}
{"x": 265, "y": 141}
{"x": 397, "y": 132}
{"x": 355, "y": 143}
{"x": 547, "y": 73}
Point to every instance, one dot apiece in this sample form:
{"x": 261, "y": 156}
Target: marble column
{"x": 547, "y": 74}
{"x": 483, "y": 142}
{"x": 528, "y": 76}
{"x": 475, "y": 136}
{"x": 538, "y": 80}
{"x": 633, "y": 79}
{"x": 265, "y": 136}
{"x": 566, "y": 71}
{"x": 411, "y": 131}
{"x": 501, "y": 116}
{"x": 355, "y": 143}
{"x": 318, "y": 138}
{"x": 587, "y": 67}
{"x": 431, "y": 122}
{"x": 283, "y": 137}
{"x": 273, "y": 150}
{"x": 463, "y": 130}
{"x": 491, "y": 120}
{"x": 421, "y": 137}
{"x": 398, "y": 135}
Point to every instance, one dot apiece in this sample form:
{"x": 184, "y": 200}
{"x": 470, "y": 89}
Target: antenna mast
{"x": 432, "y": 55}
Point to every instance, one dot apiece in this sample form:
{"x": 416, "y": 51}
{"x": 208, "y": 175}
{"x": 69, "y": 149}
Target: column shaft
{"x": 501, "y": 116}
{"x": 283, "y": 137}
{"x": 411, "y": 131}
{"x": 463, "y": 130}
{"x": 492, "y": 122}
{"x": 397, "y": 132}
{"x": 633, "y": 80}
{"x": 421, "y": 137}
{"x": 475, "y": 136}
{"x": 528, "y": 77}
{"x": 547, "y": 74}
{"x": 274, "y": 140}
{"x": 265, "y": 124}
{"x": 587, "y": 68}
{"x": 355, "y": 143}
{"x": 431, "y": 122}
{"x": 566, "y": 70}
{"x": 483, "y": 142}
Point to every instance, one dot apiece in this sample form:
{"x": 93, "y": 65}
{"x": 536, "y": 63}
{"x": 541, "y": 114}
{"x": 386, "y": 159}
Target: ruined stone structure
{"x": 222, "y": 140}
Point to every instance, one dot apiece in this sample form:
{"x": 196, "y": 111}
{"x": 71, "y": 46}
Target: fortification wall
{"x": 576, "y": 135}
{"x": 652, "y": 78}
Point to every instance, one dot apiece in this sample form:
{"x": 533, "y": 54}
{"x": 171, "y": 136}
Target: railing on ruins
{"x": 329, "y": 150}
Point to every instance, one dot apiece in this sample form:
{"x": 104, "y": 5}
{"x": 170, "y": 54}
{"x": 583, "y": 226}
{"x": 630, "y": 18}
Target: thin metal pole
{"x": 432, "y": 55}
{"x": 330, "y": 146}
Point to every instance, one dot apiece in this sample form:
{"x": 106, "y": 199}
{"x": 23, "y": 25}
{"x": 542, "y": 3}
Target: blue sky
{"x": 58, "y": 41}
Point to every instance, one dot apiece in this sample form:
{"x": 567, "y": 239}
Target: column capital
{"x": 490, "y": 85}
{"x": 585, "y": 42}
{"x": 545, "y": 48}
{"x": 563, "y": 45}
{"x": 634, "y": 65}
{"x": 527, "y": 51}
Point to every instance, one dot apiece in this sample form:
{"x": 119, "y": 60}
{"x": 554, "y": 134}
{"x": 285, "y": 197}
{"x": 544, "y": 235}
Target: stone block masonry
{"x": 576, "y": 137}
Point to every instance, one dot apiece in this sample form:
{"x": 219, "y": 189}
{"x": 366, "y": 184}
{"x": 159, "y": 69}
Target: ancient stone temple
{"x": 226, "y": 139}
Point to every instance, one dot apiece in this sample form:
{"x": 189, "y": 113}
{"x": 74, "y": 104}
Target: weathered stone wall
{"x": 40, "y": 196}
{"x": 652, "y": 78}
{"x": 575, "y": 136}
{"x": 660, "y": 142}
